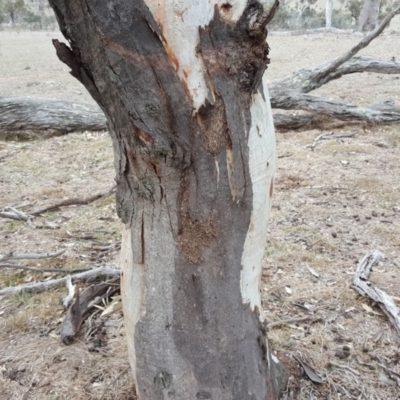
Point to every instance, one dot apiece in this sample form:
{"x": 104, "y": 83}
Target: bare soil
{"x": 332, "y": 205}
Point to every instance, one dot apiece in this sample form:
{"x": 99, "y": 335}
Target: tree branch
{"x": 363, "y": 64}
{"x": 74, "y": 201}
{"x": 12, "y": 256}
{"x": 335, "y": 64}
{"x": 293, "y": 100}
{"x": 384, "y": 301}
{"x": 56, "y": 283}
{"x": 35, "y": 269}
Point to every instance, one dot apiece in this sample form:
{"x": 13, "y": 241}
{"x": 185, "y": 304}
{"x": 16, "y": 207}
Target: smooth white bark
{"x": 179, "y": 21}
{"x": 262, "y": 159}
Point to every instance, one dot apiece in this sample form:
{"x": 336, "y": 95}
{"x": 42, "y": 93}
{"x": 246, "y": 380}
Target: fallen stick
{"x": 384, "y": 301}
{"x": 13, "y": 213}
{"x": 56, "y": 283}
{"x": 333, "y": 65}
{"x": 12, "y": 256}
{"x": 292, "y": 321}
{"x": 74, "y": 202}
{"x": 328, "y": 136}
{"x": 38, "y": 269}
{"x": 333, "y": 364}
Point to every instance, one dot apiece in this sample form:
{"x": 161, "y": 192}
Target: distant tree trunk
{"x": 369, "y": 14}
{"x": 328, "y": 13}
{"x": 180, "y": 83}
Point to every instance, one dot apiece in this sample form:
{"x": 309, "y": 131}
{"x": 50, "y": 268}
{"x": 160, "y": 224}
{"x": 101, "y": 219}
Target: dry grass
{"x": 332, "y": 205}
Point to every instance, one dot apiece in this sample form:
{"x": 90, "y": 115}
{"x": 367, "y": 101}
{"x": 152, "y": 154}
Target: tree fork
{"x": 181, "y": 86}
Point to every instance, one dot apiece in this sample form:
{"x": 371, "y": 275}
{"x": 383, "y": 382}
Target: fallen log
{"x": 44, "y": 117}
{"x": 47, "y": 117}
{"x": 294, "y": 100}
{"x": 306, "y": 80}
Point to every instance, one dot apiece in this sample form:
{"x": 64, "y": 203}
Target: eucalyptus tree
{"x": 181, "y": 85}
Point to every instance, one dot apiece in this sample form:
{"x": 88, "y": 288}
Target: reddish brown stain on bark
{"x": 133, "y": 161}
{"x": 213, "y": 125}
{"x": 194, "y": 234}
{"x": 145, "y": 138}
{"x": 226, "y": 10}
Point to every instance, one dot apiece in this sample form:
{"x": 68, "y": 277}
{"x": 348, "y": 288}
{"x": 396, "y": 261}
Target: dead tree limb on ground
{"x": 36, "y": 256}
{"x": 38, "y": 269}
{"x": 13, "y": 213}
{"x": 379, "y": 113}
{"x": 75, "y": 201}
{"x": 83, "y": 305}
{"x": 54, "y": 117}
{"x": 307, "y": 80}
{"x": 290, "y": 93}
{"x": 47, "y": 117}
{"x": 56, "y": 283}
{"x": 382, "y": 299}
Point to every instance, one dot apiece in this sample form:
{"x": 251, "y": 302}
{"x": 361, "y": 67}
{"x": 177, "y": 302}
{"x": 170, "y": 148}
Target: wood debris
{"x": 382, "y": 299}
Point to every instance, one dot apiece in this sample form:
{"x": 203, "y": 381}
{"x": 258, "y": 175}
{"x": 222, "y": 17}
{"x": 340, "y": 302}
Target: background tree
{"x": 328, "y": 13}
{"x": 180, "y": 83}
{"x": 369, "y": 14}
{"x": 14, "y": 9}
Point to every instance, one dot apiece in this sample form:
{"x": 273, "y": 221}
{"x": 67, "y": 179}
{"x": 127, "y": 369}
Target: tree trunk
{"x": 180, "y": 83}
{"x": 328, "y": 13}
{"x": 369, "y": 14}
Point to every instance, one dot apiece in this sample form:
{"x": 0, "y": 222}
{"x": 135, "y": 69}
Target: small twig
{"x": 74, "y": 201}
{"x": 327, "y": 187}
{"x": 316, "y": 140}
{"x": 13, "y": 213}
{"x": 328, "y": 136}
{"x": 12, "y": 256}
{"x": 292, "y": 320}
{"x": 344, "y": 367}
{"x": 56, "y": 283}
{"x": 35, "y": 269}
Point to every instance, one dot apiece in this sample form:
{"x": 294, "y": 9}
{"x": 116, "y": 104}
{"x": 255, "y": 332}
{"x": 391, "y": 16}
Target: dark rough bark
{"x": 185, "y": 208}
{"x": 47, "y": 116}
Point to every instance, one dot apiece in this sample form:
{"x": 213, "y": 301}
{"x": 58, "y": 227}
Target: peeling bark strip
{"x": 180, "y": 85}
